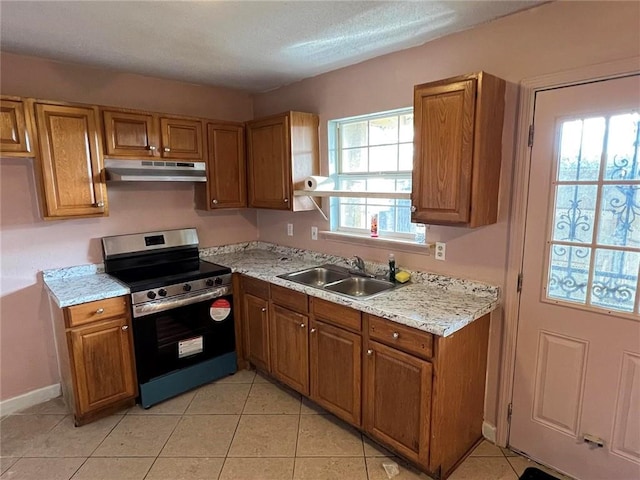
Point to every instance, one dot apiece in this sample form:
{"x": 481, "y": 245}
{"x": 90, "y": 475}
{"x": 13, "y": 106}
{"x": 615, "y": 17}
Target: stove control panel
{"x": 170, "y": 291}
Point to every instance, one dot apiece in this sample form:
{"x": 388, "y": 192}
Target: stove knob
{"x": 209, "y": 282}
{"x": 162, "y": 292}
{"x": 218, "y": 281}
{"x": 151, "y": 295}
{"x": 186, "y": 287}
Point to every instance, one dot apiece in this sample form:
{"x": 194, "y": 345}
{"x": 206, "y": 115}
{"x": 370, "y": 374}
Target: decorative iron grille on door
{"x": 594, "y": 247}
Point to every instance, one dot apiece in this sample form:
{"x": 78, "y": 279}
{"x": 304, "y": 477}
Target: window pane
{"x": 581, "y": 144}
{"x": 619, "y": 223}
{"x": 403, "y": 216}
{"x": 574, "y": 213}
{"x": 383, "y": 159}
{"x": 352, "y": 185}
{"x": 405, "y": 158}
{"x": 353, "y": 134}
{"x": 569, "y": 273}
{"x": 615, "y": 279}
{"x": 622, "y": 147}
{"x": 354, "y": 160}
{"x": 403, "y": 185}
{"x": 381, "y": 184}
{"x": 353, "y": 216}
{"x": 406, "y": 128}
{"x": 383, "y": 131}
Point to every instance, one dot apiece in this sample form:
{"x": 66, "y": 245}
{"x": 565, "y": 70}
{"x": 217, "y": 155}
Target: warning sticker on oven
{"x": 220, "y": 309}
{"x": 189, "y": 347}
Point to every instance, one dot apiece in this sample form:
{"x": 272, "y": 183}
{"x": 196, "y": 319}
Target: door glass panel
{"x": 574, "y": 213}
{"x": 596, "y": 189}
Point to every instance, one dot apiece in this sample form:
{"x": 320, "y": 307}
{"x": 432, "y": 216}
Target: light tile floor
{"x": 243, "y": 427}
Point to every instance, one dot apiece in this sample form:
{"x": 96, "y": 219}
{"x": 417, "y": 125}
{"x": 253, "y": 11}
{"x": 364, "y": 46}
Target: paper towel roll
{"x": 315, "y": 182}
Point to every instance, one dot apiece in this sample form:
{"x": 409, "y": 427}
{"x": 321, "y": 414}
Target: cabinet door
{"x": 103, "y": 364}
{"x": 290, "y": 348}
{"x": 256, "y": 322}
{"x": 336, "y": 363}
{"x": 444, "y": 137}
{"x": 397, "y": 406}
{"x": 269, "y": 161}
{"x": 14, "y": 138}
{"x": 71, "y": 161}
{"x": 181, "y": 138}
{"x": 130, "y": 134}
{"x": 226, "y": 171}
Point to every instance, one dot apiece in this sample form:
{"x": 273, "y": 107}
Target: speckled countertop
{"x": 434, "y": 303}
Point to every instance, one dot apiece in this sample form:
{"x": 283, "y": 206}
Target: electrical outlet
{"x": 290, "y": 229}
{"x": 441, "y": 250}
{"x": 314, "y": 233}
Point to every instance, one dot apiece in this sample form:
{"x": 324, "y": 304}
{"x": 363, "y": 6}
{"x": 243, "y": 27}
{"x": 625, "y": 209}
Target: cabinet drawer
{"x": 95, "y": 311}
{"x": 401, "y": 337}
{"x": 289, "y": 298}
{"x": 258, "y": 288}
{"x": 336, "y": 314}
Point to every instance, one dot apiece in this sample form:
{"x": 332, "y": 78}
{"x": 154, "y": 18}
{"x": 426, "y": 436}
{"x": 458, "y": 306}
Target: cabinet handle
{"x": 313, "y": 330}
{"x": 263, "y": 309}
{"x": 167, "y": 149}
{"x": 151, "y": 147}
{"x": 369, "y": 352}
{"x": 125, "y": 327}
{"x": 99, "y": 204}
{"x": 99, "y": 311}
{"x": 396, "y": 335}
{"x": 214, "y": 201}
{"x": 302, "y": 325}
{"x": 286, "y": 200}
{"x": 413, "y": 208}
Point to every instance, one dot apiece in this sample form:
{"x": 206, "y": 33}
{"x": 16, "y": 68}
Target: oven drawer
{"x": 95, "y": 311}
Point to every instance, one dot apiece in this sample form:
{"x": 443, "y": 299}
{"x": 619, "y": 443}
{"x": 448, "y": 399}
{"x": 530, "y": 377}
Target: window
{"x": 594, "y": 249}
{"x": 373, "y": 153}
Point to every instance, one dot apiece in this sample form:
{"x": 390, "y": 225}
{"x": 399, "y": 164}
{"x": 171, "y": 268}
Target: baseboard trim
{"x": 29, "y": 399}
{"x": 489, "y": 432}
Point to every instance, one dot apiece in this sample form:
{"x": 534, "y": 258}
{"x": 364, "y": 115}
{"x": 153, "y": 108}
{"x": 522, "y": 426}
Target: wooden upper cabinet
{"x": 457, "y": 150}
{"x": 129, "y": 134}
{"x": 140, "y": 135}
{"x": 282, "y": 151}
{"x": 226, "y": 185}
{"x": 15, "y": 140}
{"x": 181, "y": 138}
{"x": 70, "y": 161}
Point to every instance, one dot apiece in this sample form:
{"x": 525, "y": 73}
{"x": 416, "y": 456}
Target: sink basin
{"x": 360, "y": 287}
{"x": 316, "y": 277}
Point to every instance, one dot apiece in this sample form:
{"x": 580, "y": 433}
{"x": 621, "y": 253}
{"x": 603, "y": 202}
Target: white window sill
{"x": 396, "y": 244}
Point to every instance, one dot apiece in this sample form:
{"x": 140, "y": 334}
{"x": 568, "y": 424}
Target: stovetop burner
{"x": 146, "y": 278}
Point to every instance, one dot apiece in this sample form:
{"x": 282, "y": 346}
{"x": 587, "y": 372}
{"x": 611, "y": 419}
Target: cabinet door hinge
{"x": 509, "y": 411}
{"x": 530, "y": 142}
{"x": 519, "y": 286}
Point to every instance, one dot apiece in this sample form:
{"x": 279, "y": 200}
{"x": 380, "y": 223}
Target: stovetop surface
{"x": 149, "y": 277}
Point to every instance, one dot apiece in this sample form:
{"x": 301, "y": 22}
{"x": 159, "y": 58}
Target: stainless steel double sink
{"x": 336, "y": 279}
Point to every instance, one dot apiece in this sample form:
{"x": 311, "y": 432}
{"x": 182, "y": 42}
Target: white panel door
{"x": 577, "y": 372}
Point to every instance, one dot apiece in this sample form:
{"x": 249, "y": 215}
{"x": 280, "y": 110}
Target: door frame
{"x": 529, "y": 87}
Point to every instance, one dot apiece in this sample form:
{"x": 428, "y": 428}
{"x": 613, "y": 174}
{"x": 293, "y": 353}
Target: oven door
{"x": 173, "y": 339}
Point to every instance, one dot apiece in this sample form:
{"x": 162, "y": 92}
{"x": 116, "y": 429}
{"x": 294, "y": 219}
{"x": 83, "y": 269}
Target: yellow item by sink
{"x": 402, "y": 276}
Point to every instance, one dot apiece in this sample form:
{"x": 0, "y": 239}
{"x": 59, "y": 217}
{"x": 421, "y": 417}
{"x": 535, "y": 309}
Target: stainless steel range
{"x": 182, "y": 307}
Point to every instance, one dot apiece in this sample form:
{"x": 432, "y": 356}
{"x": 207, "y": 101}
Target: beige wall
{"x": 550, "y": 38}
{"x": 29, "y": 244}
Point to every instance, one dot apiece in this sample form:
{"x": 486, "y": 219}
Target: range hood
{"x": 154, "y": 171}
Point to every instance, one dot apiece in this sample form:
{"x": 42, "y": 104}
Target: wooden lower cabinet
{"x": 95, "y": 354}
{"x": 290, "y": 348}
{"x": 397, "y": 402}
{"x": 336, "y": 367}
{"x": 255, "y": 312}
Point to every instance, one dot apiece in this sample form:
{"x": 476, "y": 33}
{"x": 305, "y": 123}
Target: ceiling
{"x": 250, "y": 45}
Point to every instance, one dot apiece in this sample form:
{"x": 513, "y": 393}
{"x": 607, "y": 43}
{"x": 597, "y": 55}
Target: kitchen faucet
{"x": 358, "y": 264}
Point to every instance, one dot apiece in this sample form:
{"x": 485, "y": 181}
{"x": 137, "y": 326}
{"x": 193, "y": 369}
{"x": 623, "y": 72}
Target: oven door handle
{"x": 156, "y": 306}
